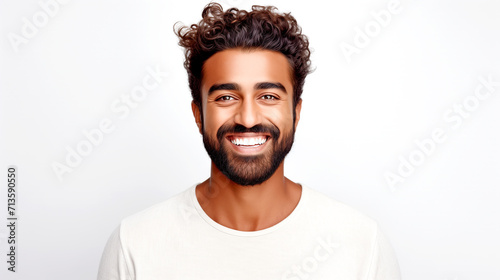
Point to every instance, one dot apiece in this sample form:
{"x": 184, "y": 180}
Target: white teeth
{"x": 249, "y": 141}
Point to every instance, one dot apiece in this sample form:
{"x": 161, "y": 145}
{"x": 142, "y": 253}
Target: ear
{"x": 297, "y": 112}
{"x": 197, "y": 115}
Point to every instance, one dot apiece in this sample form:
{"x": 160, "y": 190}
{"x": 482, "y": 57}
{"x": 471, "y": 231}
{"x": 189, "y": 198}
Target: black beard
{"x": 248, "y": 170}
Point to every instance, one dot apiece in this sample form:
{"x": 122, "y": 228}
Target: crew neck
{"x": 230, "y": 231}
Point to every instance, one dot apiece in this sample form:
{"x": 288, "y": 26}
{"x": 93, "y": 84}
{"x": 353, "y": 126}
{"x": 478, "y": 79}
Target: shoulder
{"x": 356, "y": 234}
{"x": 159, "y": 216}
{"x": 322, "y": 202}
{"x": 137, "y": 234}
{"x": 332, "y": 213}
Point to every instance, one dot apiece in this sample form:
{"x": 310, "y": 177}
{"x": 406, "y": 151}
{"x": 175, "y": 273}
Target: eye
{"x": 269, "y": 97}
{"x": 225, "y": 98}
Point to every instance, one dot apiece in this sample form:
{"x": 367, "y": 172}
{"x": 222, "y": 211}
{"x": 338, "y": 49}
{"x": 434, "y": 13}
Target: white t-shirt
{"x": 320, "y": 239}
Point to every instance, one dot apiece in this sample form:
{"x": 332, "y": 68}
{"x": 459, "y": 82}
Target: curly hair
{"x": 260, "y": 28}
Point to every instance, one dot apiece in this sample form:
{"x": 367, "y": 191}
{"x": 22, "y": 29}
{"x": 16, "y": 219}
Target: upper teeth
{"x": 249, "y": 141}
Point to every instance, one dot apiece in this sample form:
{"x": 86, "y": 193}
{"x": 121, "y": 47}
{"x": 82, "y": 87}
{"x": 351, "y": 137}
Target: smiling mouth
{"x": 248, "y": 141}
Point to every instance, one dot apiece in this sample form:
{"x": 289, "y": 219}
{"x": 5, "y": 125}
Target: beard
{"x": 248, "y": 170}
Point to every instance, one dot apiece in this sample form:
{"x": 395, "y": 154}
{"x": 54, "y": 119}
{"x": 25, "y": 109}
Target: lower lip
{"x": 248, "y": 150}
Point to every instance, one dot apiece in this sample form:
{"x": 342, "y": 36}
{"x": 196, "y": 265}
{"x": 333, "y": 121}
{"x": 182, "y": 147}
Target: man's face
{"x": 247, "y": 122}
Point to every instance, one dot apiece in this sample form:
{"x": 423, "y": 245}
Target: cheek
{"x": 214, "y": 119}
{"x": 282, "y": 117}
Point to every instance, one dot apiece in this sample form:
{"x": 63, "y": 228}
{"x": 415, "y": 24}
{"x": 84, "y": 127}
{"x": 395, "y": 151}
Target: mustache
{"x": 238, "y": 128}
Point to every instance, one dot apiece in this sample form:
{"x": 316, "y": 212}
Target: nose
{"x": 248, "y": 113}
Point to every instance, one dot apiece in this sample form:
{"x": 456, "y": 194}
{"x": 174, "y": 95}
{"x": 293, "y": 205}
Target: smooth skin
{"x": 247, "y": 208}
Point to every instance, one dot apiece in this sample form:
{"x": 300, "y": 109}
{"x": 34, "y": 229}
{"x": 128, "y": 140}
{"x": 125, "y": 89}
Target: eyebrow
{"x": 267, "y": 85}
{"x": 227, "y": 86}
{"x": 232, "y": 86}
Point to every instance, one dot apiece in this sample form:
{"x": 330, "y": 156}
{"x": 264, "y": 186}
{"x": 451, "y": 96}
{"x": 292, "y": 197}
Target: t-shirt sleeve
{"x": 384, "y": 265}
{"x": 113, "y": 264}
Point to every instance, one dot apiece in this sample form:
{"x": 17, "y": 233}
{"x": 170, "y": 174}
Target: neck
{"x": 248, "y": 208}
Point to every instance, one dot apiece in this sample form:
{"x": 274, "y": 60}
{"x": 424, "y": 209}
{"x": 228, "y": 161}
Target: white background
{"x": 358, "y": 119}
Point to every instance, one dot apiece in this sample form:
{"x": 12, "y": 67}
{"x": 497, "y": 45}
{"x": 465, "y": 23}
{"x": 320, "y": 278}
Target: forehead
{"x": 246, "y": 67}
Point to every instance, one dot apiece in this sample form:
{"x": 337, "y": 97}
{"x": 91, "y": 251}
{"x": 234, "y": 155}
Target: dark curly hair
{"x": 260, "y": 28}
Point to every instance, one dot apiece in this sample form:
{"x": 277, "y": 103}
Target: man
{"x": 247, "y": 220}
